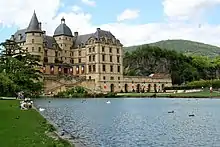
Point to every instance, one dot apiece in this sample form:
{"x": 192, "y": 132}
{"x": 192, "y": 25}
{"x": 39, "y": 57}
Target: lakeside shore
{"x": 27, "y": 128}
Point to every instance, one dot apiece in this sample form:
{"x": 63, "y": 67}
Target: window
{"x": 82, "y": 69}
{"x": 110, "y": 58}
{"x": 59, "y": 38}
{"x": 90, "y": 50}
{"x": 32, "y": 40}
{"x": 110, "y": 50}
{"x": 119, "y": 69}
{"x": 93, "y": 49}
{"x": 103, "y": 67}
{"x": 32, "y": 34}
{"x": 72, "y": 61}
{"x": 65, "y": 52}
{"x": 93, "y": 58}
{"x": 119, "y": 78}
{"x": 111, "y": 68}
{"x": 90, "y": 59}
{"x": 103, "y": 57}
{"x": 117, "y": 50}
{"x": 26, "y": 49}
{"x": 90, "y": 77}
{"x": 61, "y": 45}
{"x": 77, "y": 69}
{"x": 32, "y": 49}
{"x": 79, "y": 53}
{"x": 45, "y": 59}
{"x": 118, "y": 59}
{"x": 56, "y": 53}
{"x": 94, "y": 69}
{"x": 66, "y": 38}
{"x": 39, "y": 49}
{"x": 112, "y": 78}
{"x": 64, "y": 44}
{"x": 79, "y": 60}
{"x": 103, "y": 77}
{"x": 103, "y": 49}
{"x": 65, "y": 58}
{"x": 90, "y": 68}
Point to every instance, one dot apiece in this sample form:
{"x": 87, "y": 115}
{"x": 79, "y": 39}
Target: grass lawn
{"x": 202, "y": 94}
{"x": 24, "y": 128}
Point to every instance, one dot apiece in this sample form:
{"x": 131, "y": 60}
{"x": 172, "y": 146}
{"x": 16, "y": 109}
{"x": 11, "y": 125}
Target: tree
{"x": 21, "y": 67}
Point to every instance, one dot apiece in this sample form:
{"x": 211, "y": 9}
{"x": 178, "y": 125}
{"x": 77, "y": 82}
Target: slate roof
{"x": 82, "y": 39}
{"x": 34, "y": 25}
{"x": 63, "y": 29}
{"x": 20, "y": 36}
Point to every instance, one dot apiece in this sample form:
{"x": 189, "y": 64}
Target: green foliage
{"x": 21, "y": 68}
{"x": 184, "y": 46}
{"x": 78, "y": 92}
{"x": 206, "y": 83}
{"x": 146, "y": 60}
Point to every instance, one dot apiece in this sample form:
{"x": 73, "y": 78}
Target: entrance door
{"x": 148, "y": 89}
{"x": 126, "y": 88}
{"x": 112, "y": 87}
{"x": 138, "y": 88}
{"x": 65, "y": 70}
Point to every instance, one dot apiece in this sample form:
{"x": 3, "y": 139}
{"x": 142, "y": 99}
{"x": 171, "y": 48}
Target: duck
{"x": 170, "y": 111}
{"x": 41, "y": 109}
{"x": 108, "y": 102}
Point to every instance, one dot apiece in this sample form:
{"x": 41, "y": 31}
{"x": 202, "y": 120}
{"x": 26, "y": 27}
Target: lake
{"x": 137, "y": 122}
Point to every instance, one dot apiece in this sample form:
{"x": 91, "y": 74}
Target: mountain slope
{"x": 185, "y": 46}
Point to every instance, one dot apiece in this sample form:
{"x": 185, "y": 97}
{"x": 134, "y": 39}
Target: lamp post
{"x": 212, "y": 74}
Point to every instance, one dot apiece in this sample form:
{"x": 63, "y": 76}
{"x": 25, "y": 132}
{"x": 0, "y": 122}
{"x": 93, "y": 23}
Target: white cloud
{"x": 76, "y": 8}
{"x": 89, "y": 2}
{"x": 19, "y": 12}
{"x": 187, "y": 9}
{"x": 128, "y": 14}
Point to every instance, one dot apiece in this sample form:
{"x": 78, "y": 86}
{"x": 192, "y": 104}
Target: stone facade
{"x": 94, "y": 60}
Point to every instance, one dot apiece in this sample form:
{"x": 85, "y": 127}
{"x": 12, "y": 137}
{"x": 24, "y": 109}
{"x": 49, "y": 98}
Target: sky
{"x": 133, "y": 22}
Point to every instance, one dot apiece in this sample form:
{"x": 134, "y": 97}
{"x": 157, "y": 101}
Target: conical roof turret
{"x": 34, "y": 25}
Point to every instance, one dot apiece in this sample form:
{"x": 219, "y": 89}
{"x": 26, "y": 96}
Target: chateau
{"x": 94, "y": 61}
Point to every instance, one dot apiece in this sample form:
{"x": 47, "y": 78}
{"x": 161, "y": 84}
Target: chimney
{"x": 19, "y": 36}
{"x": 12, "y": 37}
{"x": 40, "y": 25}
{"x": 76, "y": 34}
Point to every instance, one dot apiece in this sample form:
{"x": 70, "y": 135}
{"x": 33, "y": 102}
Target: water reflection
{"x": 137, "y": 122}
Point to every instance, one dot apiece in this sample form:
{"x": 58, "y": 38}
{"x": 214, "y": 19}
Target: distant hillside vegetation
{"x": 185, "y": 46}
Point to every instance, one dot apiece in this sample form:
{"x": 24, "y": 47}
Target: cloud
{"x": 187, "y": 9}
{"x": 89, "y": 2}
{"x": 128, "y": 14}
{"x": 76, "y": 8}
{"x": 18, "y": 13}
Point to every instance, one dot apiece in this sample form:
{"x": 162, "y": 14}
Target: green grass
{"x": 24, "y": 128}
{"x": 184, "y": 46}
{"x": 203, "y": 94}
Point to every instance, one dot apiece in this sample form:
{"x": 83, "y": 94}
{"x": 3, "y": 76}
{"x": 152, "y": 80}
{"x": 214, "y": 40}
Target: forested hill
{"x": 184, "y": 46}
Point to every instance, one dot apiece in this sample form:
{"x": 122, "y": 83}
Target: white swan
{"x": 41, "y": 109}
{"x": 108, "y": 102}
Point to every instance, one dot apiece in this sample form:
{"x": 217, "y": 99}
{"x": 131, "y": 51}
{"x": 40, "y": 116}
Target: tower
{"x": 34, "y": 38}
{"x": 64, "y": 38}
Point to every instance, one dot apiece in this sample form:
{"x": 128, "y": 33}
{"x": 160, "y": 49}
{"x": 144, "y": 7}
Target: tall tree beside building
{"x": 21, "y": 68}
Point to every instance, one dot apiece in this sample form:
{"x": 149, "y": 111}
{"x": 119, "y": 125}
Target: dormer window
{"x": 32, "y": 34}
